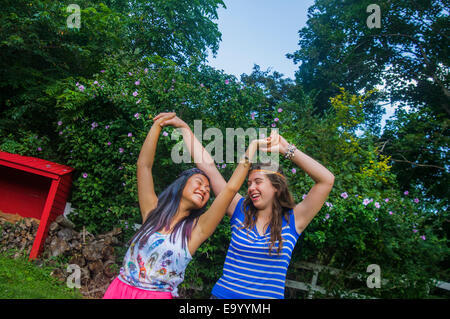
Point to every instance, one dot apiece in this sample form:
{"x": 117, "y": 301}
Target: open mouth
{"x": 255, "y": 197}
{"x": 199, "y": 196}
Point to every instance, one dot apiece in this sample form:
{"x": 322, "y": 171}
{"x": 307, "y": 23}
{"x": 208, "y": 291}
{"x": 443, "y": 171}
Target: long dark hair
{"x": 160, "y": 217}
{"x": 283, "y": 202}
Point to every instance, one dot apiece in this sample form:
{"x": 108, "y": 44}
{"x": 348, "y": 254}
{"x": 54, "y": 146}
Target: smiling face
{"x": 196, "y": 191}
{"x": 260, "y": 190}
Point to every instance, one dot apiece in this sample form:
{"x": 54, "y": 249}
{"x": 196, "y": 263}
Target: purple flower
{"x": 130, "y": 74}
{"x": 366, "y": 201}
{"x": 107, "y": 127}
{"x": 276, "y": 119}
{"x": 81, "y": 88}
{"x": 252, "y": 115}
{"x": 95, "y": 82}
{"x": 416, "y": 200}
{"x": 60, "y": 123}
{"x": 391, "y": 213}
{"x": 327, "y": 216}
{"x": 165, "y": 133}
{"x": 85, "y": 175}
{"x": 130, "y": 135}
{"x": 224, "y": 165}
{"x": 109, "y": 143}
{"x": 137, "y": 82}
{"x": 274, "y": 125}
{"x": 329, "y": 204}
{"x": 137, "y": 115}
{"x": 406, "y": 193}
{"x": 138, "y": 101}
{"x": 304, "y": 196}
{"x": 93, "y": 125}
{"x": 414, "y": 230}
{"x": 227, "y": 81}
{"x": 280, "y": 110}
{"x": 293, "y": 171}
{"x": 377, "y": 205}
{"x": 102, "y": 71}
{"x": 386, "y": 200}
{"x": 60, "y": 132}
{"x": 39, "y": 149}
{"x": 202, "y": 85}
{"x": 120, "y": 167}
{"x": 120, "y": 150}
{"x": 423, "y": 237}
{"x": 344, "y": 195}
{"x": 145, "y": 70}
{"x": 135, "y": 93}
{"x": 77, "y": 84}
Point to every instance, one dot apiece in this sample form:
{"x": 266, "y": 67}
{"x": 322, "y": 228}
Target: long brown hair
{"x": 281, "y": 205}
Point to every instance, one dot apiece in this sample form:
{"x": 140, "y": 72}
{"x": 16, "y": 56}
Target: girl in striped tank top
{"x": 266, "y": 224}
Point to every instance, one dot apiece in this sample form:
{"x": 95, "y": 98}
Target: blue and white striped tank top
{"x": 249, "y": 271}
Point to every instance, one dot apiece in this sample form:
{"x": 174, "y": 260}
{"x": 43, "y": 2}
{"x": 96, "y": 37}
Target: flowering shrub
{"x": 102, "y": 122}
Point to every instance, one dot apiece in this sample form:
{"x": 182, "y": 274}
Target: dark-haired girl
{"x": 266, "y": 224}
{"x": 175, "y": 223}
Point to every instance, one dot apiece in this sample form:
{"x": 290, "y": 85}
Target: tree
{"x": 412, "y": 44}
{"x": 38, "y": 49}
{"x": 409, "y": 54}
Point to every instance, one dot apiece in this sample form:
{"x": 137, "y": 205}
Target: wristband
{"x": 290, "y": 151}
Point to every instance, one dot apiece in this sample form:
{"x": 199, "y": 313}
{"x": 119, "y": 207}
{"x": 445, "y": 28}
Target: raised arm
{"x": 146, "y": 190}
{"x": 307, "y": 209}
{"x": 208, "y": 222}
{"x": 202, "y": 159}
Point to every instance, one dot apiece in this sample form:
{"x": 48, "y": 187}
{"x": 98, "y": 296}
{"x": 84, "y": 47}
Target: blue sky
{"x": 259, "y": 32}
{"x": 262, "y": 32}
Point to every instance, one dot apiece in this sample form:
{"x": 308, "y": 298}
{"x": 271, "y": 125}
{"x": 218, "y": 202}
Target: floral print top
{"x": 158, "y": 266}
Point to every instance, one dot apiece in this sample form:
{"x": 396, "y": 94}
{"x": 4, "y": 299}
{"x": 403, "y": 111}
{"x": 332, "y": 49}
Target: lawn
{"x": 20, "y": 279}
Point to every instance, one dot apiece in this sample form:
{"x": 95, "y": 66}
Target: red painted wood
{"x": 44, "y": 224}
{"x": 33, "y": 187}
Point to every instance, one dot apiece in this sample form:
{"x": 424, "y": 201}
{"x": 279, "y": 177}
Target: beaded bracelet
{"x": 290, "y": 151}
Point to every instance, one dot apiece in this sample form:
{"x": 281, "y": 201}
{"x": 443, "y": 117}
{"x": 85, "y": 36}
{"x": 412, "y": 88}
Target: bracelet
{"x": 290, "y": 151}
{"x": 246, "y": 161}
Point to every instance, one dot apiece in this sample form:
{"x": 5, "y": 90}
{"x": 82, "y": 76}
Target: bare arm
{"x": 203, "y": 160}
{"x": 307, "y": 209}
{"x": 208, "y": 222}
{"x": 146, "y": 190}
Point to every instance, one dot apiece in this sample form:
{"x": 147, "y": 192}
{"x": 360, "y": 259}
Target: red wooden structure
{"x": 33, "y": 187}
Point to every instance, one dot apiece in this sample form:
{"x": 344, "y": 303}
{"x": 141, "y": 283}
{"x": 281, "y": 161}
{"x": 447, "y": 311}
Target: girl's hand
{"x": 277, "y": 144}
{"x": 162, "y": 117}
{"x": 175, "y": 122}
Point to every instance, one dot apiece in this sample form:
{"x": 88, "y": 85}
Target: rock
{"x": 78, "y": 260}
{"x": 64, "y": 222}
{"x": 96, "y": 267}
{"x": 65, "y": 234}
{"x": 110, "y": 269}
{"x": 93, "y": 251}
{"x": 58, "y": 247}
{"x": 53, "y": 227}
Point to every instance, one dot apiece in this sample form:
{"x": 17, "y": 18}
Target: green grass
{"x": 21, "y": 279}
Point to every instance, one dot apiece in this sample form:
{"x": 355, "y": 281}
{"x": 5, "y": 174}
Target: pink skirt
{"x": 120, "y": 290}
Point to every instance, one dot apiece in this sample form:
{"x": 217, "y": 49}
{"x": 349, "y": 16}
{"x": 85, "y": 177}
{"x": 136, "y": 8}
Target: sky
{"x": 262, "y": 32}
{"x": 259, "y": 32}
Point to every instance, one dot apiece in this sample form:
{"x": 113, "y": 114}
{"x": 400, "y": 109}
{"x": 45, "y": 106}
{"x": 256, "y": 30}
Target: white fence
{"x": 312, "y": 287}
